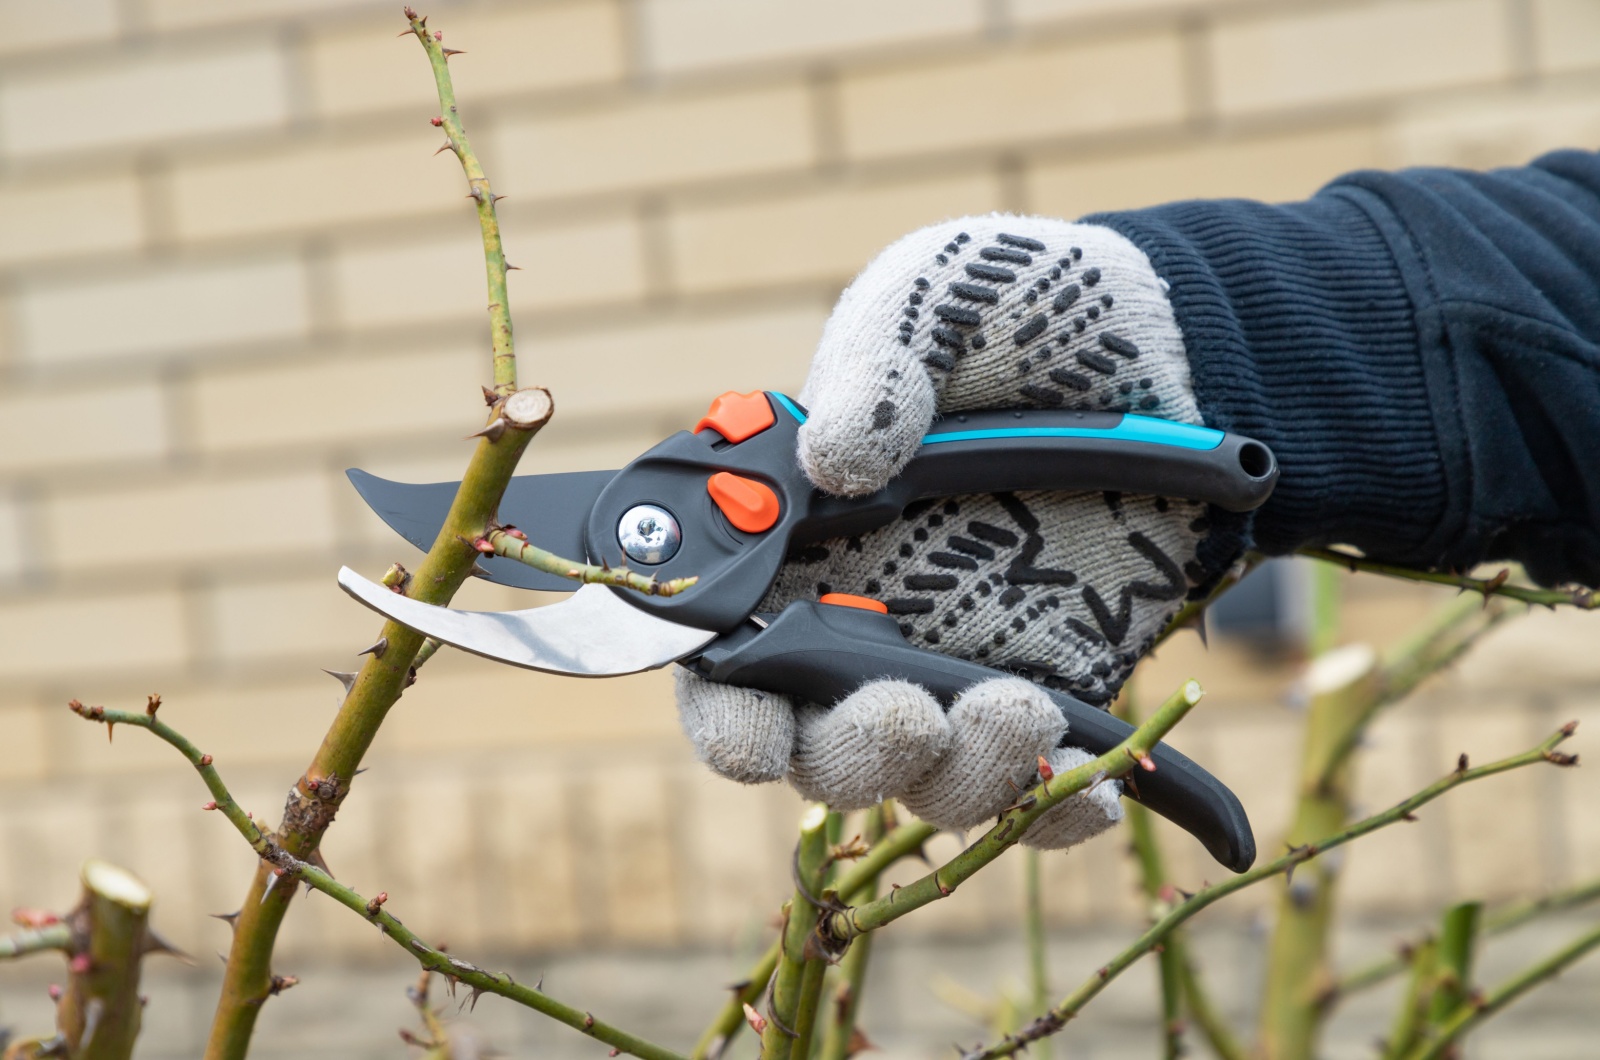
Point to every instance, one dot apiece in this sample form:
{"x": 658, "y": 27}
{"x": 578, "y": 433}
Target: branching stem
{"x": 284, "y": 869}
{"x": 35, "y": 940}
{"x": 1583, "y": 599}
{"x": 1069, "y": 1008}
{"x": 502, "y": 542}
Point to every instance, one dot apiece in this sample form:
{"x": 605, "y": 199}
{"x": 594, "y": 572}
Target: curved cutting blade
{"x": 589, "y": 634}
{"x": 553, "y": 510}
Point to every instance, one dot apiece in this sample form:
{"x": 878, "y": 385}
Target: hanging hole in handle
{"x": 1255, "y": 460}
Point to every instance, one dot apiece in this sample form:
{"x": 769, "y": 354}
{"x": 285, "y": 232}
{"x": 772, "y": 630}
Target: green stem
{"x": 35, "y": 940}
{"x": 1495, "y": 922}
{"x": 1038, "y": 955}
{"x": 1197, "y": 1001}
{"x": 714, "y": 1040}
{"x": 1412, "y": 1015}
{"x": 792, "y": 984}
{"x": 100, "y": 1011}
{"x": 1069, "y": 1008}
{"x": 1469, "y": 1016}
{"x": 1583, "y": 599}
{"x": 1458, "y": 941}
{"x": 283, "y": 868}
{"x": 840, "y": 1028}
{"x": 501, "y": 543}
{"x": 1014, "y": 822}
{"x": 478, "y": 190}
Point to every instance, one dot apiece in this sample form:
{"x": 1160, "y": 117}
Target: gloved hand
{"x": 1069, "y": 588}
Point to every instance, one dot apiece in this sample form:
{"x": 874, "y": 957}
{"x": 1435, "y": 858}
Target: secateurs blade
{"x": 727, "y": 502}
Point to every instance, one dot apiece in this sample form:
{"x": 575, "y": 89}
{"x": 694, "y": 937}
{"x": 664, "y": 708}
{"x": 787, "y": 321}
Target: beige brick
{"x": 57, "y": 427}
{"x": 501, "y": 708}
{"x": 530, "y": 859}
{"x": 163, "y": 310}
{"x": 435, "y": 813}
{"x": 1566, "y": 33}
{"x": 630, "y": 859}
{"x": 1274, "y": 170}
{"x": 44, "y": 220}
{"x": 82, "y": 636}
{"x": 1557, "y": 646}
{"x": 829, "y": 234}
{"x": 45, "y": 843}
{"x": 656, "y": 140}
{"x": 558, "y": 267}
{"x": 1034, "y": 11}
{"x": 266, "y": 620}
{"x": 27, "y": 749}
{"x": 1499, "y": 129}
{"x": 610, "y": 371}
{"x": 136, "y": 100}
{"x": 13, "y": 549}
{"x": 31, "y": 25}
{"x": 1348, "y": 53}
{"x": 737, "y": 865}
{"x": 173, "y": 14}
{"x": 318, "y": 187}
{"x": 335, "y": 400}
{"x": 686, "y": 34}
{"x": 190, "y": 520}
{"x": 551, "y": 46}
{"x": 1012, "y": 95}
{"x": 1394, "y": 868}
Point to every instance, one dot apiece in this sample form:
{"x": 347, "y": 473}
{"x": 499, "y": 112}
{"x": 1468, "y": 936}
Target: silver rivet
{"x": 649, "y": 534}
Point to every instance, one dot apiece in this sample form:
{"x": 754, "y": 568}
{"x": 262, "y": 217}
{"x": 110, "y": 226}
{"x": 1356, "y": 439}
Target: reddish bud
{"x": 209, "y": 805}
{"x": 56, "y": 992}
{"x": 754, "y": 1018}
{"x": 377, "y": 903}
{"x": 80, "y": 964}
{"x": 33, "y": 918}
{"x": 152, "y": 703}
{"x": 1045, "y": 772}
{"x": 410, "y": 12}
{"x": 615, "y": 1052}
{"x": 438, "y": 34}
{"x": 75, "y": 706}
{"x": 436, "y": 122}
{"x": 518, "y": 534}
{"x": 205, "y": 760}
{"x": 482, "y": 545}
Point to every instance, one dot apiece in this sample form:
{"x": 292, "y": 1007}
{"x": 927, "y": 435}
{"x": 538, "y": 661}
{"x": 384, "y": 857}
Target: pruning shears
{"x": 727, "y": 502}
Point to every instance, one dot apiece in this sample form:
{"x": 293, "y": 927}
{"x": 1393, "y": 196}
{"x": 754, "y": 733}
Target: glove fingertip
{"x": 740, "y": 734}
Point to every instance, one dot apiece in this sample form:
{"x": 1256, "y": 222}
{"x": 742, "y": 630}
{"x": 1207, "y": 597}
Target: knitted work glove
{"x": 1063, "y": 589}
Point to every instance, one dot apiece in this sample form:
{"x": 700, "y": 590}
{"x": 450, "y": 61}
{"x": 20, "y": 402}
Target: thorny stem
{"x": 478, "y": 190}
{"x": 248, "y": 980}
{"x": 1583, "y": 599}
{"x": 1475, "y": 1011}
{"x": 943, "y": 881}
{"x": 284, "y": 869}
{"x": 35, "y": 940}
{"x": 1495, "y": 922}
{"x": 1069, "y": 1007}
{"x": 794, "y": 985}
{"x": 501, "y": 542}
{"x": 901, "y": 841}
{"x": 1192, "y": 615}
{"x": 837, "y": 1040}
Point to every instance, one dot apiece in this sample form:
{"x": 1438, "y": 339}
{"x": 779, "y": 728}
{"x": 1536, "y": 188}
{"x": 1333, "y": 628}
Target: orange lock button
{"x": 749, "y": 505}
{"x": 865, "y": 603}
{"x": 738, "y": 416}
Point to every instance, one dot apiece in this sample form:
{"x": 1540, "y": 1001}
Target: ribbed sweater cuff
{"x": 1300, "y": 333}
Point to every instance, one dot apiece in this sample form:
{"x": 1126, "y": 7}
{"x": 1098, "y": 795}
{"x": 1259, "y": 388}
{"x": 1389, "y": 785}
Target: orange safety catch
{"x": 865, "y": 603}
{"x": 738, "y": 416}
{"x": 749, "y": 505}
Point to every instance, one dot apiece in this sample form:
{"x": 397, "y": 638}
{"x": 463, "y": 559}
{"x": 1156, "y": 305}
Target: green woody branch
{"x": 1583, "y": 599}
{"x": 57, "y": 936}
{"x": 1015, "y": 821}
{"x": 1069, "y": 1008}
{"x": 284, "y": 868}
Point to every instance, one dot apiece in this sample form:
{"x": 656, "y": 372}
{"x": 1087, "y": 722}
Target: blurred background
{"x": 230, "y": 268}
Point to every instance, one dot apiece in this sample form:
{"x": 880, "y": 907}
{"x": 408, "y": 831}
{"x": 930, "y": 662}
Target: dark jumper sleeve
{"x": 1421, "y": 349}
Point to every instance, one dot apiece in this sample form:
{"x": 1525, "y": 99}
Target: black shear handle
{"x": 821, "y": 653}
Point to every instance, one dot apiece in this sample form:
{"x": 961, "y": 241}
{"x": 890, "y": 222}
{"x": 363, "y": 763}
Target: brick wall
{"x": 230, "y": 268}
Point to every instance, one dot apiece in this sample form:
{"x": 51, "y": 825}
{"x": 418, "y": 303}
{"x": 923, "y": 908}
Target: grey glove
{"x": 1067, "y": 588}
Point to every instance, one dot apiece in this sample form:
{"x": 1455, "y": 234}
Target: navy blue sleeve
{"x": 1422, "y": 351}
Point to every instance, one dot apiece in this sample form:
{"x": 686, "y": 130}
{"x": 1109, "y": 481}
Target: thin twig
{"x": 56, "y": 936}
{"x": 483, "y": 197}
{"x": 1470, "y": 1015}
{"x": 287, "y": 869}
{"x": 1059, "y": 1016}
{"x": 1033, "y": 929}
{"x": 797, "y": 982}
{"x": 1014, "y": 822}
{"x": 840, "y": 1038}
{"x": 1581, "y": 598}
{"x": 510, "y": 544}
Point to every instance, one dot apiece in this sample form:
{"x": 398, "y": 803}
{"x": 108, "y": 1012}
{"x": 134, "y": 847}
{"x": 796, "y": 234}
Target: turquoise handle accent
{"x": 1131, "y": 428}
